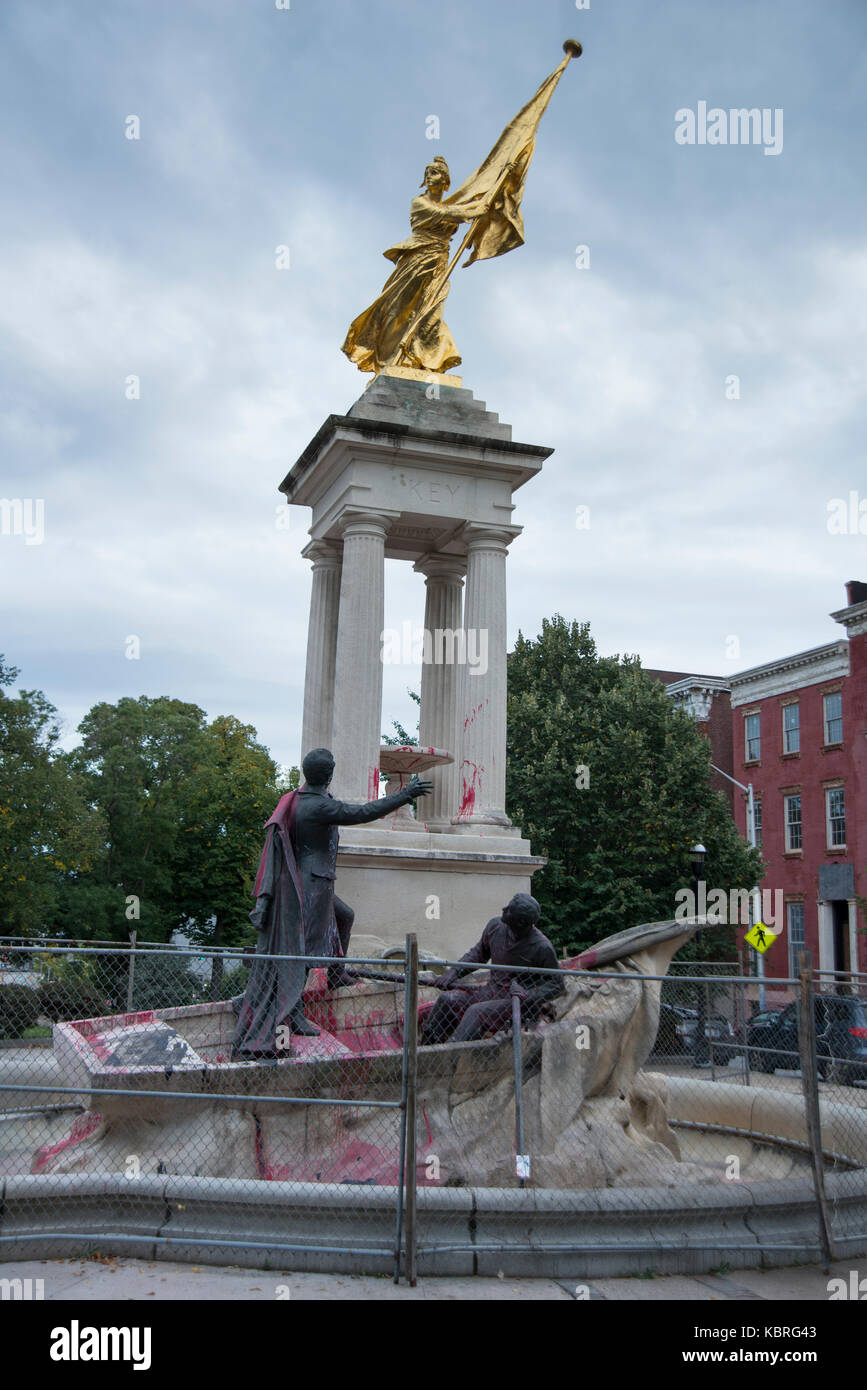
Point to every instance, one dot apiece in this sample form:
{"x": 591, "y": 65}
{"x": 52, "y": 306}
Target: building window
{"x": 795, "y": 925}
{"x": 835, "y": 816}
{"x": 793, "y": 821}
{"x": 753, "y": 738}
{"x": 791, "y": 728}
{"x": 833, "y": 717}
{"x": 757, "y": 818}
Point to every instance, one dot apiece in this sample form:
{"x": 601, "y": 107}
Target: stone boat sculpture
{"x": 161, "y": 1085}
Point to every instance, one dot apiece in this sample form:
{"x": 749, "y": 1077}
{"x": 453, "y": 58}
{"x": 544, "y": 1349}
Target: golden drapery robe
{"x": 416, "y": 290}
{"x": 420, "y": 261}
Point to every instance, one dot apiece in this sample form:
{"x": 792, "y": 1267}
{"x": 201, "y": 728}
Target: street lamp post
{"x": 701, "y": 1055}
{"x": 755, "y": 895}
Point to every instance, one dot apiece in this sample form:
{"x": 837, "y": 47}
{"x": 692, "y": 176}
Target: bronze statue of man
{"x": 513, "y": 938}
{"x": 297, "y": 912}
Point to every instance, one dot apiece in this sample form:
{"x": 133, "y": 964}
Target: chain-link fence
{"x": 143, "y": 1128}
{"x": 555, "y": 1122}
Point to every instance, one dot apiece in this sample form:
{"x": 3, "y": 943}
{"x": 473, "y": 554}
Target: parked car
{"x": 841, "y": 1039}
{"x": 677, "y": 1034}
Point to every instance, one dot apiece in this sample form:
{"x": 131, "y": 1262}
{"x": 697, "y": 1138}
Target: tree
{"x": 229, "y": 794}
{"x": 400, "y": 735}
{"x": 135, "y": 758}
{"x": 401, "y": 738}
{"x": 47, "y": 828}
{"x": 610, "y": 782}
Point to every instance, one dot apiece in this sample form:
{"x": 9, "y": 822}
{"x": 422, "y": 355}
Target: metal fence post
{"x": 518, "y": 1062}
{"x": 130, "y": 979}
{"x": 810, "y": 1080}
{"x": 743, "y": 1022}
{"x": 411, "y": 1026}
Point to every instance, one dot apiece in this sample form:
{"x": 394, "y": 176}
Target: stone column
{"x": 482, "y": 707}
{"x": 321, "y": 645}
{"x": 438, "y": 719}
{"x": 357, "y": 720}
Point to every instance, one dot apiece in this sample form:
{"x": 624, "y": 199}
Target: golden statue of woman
{"x": 404, "y": 327}
{"x": 420, "y": 264}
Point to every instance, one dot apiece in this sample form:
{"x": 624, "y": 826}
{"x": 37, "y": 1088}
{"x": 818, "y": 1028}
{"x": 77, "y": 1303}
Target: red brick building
{"x": 707, "y": 699}
{"x": 799, "y": 730}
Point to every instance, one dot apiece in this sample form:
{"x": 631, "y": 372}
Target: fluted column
{"x": 482, "y": 708}
{"x": 357, "y": 722}
{"x": 438, "y": 718}
{"x": 317, "y": 728}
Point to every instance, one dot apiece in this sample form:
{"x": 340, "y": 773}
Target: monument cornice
{"x": 465, "y": 451}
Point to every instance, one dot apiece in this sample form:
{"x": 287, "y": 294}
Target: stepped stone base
{"x": 444, "y": 887}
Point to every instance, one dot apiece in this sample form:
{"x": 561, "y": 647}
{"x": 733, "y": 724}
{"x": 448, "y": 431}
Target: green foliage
{"x": 19, "y": 1010}
{"x": 400, "y": 735}
{"x": 238, "y": 974}
{"x": 619, "y": 848}
{"x": 222, "y": 807}
{"x": 66, "y": 999}
{"x": 164, "y": 982}
{"x": 153, "y": 823}
{"x": 183, "y": 803}
{"x": 81, "y": 986}
{"x": 48, "y": 831}
{"x": 136, "y": 758}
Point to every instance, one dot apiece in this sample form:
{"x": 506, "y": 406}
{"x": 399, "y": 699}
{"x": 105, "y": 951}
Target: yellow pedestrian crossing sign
{"x": 760, "y": 937}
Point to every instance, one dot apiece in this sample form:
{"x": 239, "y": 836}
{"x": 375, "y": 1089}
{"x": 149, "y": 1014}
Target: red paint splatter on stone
{"x": 469, "y": 788}
{"x": 83, "y": 1126}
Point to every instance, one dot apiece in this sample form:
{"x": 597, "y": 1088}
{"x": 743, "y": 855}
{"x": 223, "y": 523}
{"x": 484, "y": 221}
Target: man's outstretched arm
{"x": 335, "y": 812}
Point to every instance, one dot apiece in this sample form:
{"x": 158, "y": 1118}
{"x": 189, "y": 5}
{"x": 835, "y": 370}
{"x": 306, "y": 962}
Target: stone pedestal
{"x": 418, "y": 470}
{"x": 444, "y": 888}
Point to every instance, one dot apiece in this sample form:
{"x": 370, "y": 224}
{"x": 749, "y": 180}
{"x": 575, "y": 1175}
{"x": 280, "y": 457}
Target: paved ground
{"x": 121, "y": 1279}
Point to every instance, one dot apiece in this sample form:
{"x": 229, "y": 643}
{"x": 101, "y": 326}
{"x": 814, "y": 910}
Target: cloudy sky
{"x": 305, "y": 127}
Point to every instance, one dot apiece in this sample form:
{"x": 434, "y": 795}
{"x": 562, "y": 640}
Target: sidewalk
{"x": 124, "y": 1279}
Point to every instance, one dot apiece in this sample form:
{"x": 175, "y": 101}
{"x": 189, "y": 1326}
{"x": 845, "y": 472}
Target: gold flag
{"x": 501, "y": 228}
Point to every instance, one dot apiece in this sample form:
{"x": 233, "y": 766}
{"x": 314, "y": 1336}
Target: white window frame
{"x": 748, "y": 758}
{"x": 795, "y": 945}
{"x": 792, "y": 736}
{"x": 830, "y": 842}
{"x": 835, "y": 719}
{"x": 757, "y": 819}
{"x": 790, "y": 796}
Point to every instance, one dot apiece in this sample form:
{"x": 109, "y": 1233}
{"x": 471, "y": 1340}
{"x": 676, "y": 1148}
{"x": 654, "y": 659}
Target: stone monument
{"x": 427, "y": 478}
{"x": 419, "y": 470}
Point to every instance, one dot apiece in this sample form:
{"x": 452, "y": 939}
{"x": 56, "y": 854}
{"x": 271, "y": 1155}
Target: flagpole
{"x": 572, "y": 49}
